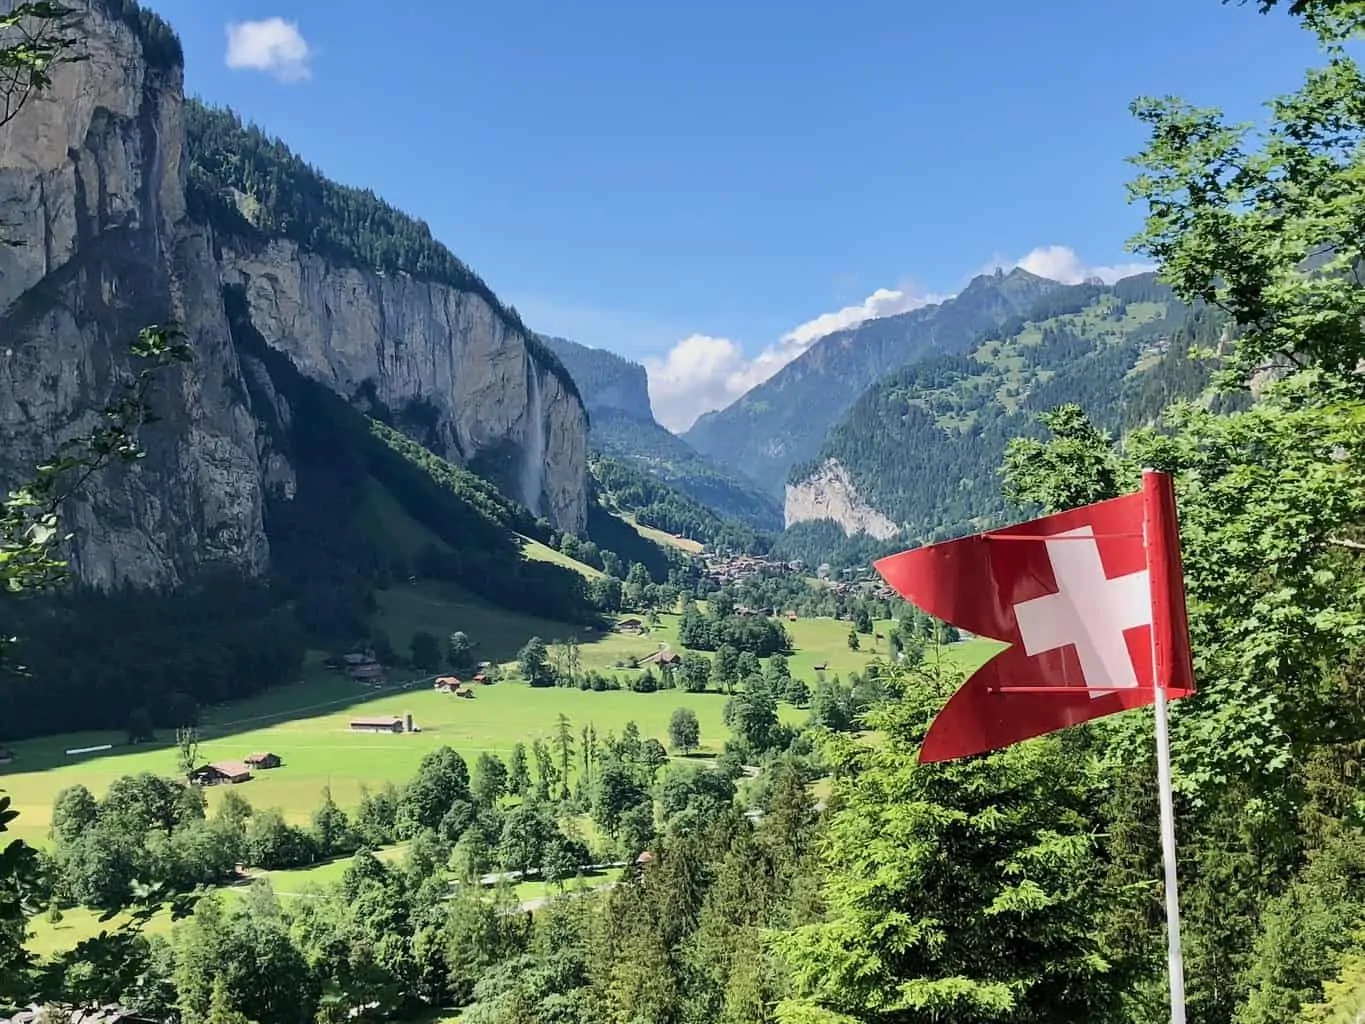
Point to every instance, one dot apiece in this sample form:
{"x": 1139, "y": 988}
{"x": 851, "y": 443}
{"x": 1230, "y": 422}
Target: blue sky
{"x": 721, "y": 174}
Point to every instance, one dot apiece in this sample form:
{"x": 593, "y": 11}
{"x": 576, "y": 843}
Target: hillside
{"x": 622, "y": 426}
{"x": 917, "y": 457}
{"x": 653, "y": 503}
{"x": 785, "y": 419}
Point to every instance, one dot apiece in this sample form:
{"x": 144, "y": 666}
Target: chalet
{"x": 661, "y": 658}
{"x": 630, "y": 626}
{"x": 383, "y": 723}
{"x": 821, "y": 666}
{"x": 262, "y": 760}
{"x": 463, "y": 691}
{"x": 480, "y": 678}
{"x": 446, "y": 684}
{"x": 221, "y": 773}
{"x": 370, "y": 671}
{"x": 791, "y": 616}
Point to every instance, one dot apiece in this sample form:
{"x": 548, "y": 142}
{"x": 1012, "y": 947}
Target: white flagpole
{"x": 1175, "y": 964}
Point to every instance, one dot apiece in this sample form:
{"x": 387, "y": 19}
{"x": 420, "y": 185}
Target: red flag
{"x": 1094, "y": 616}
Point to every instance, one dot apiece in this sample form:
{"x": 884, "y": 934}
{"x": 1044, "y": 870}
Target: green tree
{"x": 564, "y": 747}
{"x": 695, "y": 672}
{"x": 853, "y": 642}
{"x": 490, "y": 778}
{"x": 460, "y": 653}
{"x": 862, "y": 619}
{"x": 1006, "y": 934}
{"x": 518, "y": 772}
{"x": 684, "y": 731}
{"x": 534, "y": 664}
{"x": 725, "y": 667}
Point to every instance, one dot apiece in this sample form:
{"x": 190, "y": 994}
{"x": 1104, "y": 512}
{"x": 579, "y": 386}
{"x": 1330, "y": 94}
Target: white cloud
{"x": 273, "y": 45}
{"x": 701, "y": 372}
{"x": 1060, "y": 263}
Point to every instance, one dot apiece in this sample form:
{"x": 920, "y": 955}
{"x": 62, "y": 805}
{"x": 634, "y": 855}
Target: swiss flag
{"x": 1092, "y": 606}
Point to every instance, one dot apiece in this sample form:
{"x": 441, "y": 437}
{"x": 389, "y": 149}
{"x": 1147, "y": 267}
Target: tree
{"x": 684, "y": 731}
{"x": 533, "y": 663}
{"x": 459, "y": 653}
{"x": 862, "y": 619}
{"x": 1006, "y": 935}
{"x": 490, "y": 778}
{"x": 140, "y": 727}
{"x": 725, "y": 666}
{"x": 695, "y": 671}
{"x": 186, "y": 750}
{"x": 518, "y": 772}
{"x": 564, "y": 746}
{"x": 426, "y": 651}
{"x": 853, "y": 642}
{"x": 35, "y": 39}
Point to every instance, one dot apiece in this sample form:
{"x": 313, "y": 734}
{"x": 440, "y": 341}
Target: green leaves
{"x": 1275, "y": 235}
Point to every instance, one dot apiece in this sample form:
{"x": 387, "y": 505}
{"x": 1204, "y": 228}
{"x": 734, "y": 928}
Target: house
{"x": 262, "y": 760}
{"x": 463, "y": 691}
{"x": 821, "y": 666}
{"x": 370, "y": 671}
{"x": 480, "y": 678}
{"x": 791, "y": 616}
{"x": 630, "y": 626}
{"x": 221, "y": 772}
{"x": 661, "y": 658}
{"x": 384, "y": 723}
{"x": 446, "y": 684}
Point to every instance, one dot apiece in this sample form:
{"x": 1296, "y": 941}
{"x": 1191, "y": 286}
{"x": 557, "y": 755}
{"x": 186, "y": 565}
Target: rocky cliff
{"x": 91, "y": 189}
{"x": 829, "y": 493}
{"x": 93, "y": 194}
{"x": 441, "y": 360}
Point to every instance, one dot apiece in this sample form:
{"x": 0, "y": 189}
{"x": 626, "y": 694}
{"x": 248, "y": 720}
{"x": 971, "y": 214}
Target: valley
{"x": 370, "y": 652}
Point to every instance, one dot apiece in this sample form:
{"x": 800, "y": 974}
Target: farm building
{"x": 463, "y": 691}
{"x": 262, "y": 760}
{"x": 221, "y": 772}
{"x": 630, "y": 626}
{"x": 821, "y": 666}
{"x": 446, "y": 683}
{"x": 661, "y": 658}
{"x": 480, "y": 678}
{"x": 385, "y": 723}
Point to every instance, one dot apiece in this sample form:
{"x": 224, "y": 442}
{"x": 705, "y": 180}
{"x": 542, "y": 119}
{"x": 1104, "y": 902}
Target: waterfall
{"x": 533, "y": 469}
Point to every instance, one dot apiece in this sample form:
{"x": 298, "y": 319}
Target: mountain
{"x": 622, "y": 426}
{"x": 126, "y": 205}
{"x": 784, "y": 420}
{"x": 917, "y": 457}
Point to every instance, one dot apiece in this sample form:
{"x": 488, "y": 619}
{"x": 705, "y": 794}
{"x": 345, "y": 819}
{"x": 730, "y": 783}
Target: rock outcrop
{"x": 92, "y": 189}
{"x": 828, "y": 493}
{"x": 409, "y": 343}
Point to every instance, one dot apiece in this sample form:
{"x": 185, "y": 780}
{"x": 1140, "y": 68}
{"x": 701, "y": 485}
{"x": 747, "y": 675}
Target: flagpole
{"x": 1175, "y": 964}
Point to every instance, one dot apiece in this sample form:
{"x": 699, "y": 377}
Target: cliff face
{"x": 91, "y": 185}
{"x": 92, "y": 189}
{"x": 436, "y": 357}
{"x": 828, "y": 493}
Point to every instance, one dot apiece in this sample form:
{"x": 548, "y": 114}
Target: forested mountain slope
{"x": 784, "y": 420}
{"x": 616, "y": 393}
{"x": 918, "y": 455}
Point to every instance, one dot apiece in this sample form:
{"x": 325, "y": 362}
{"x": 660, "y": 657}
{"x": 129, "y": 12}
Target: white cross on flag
{"x": 1091, "y": 602}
